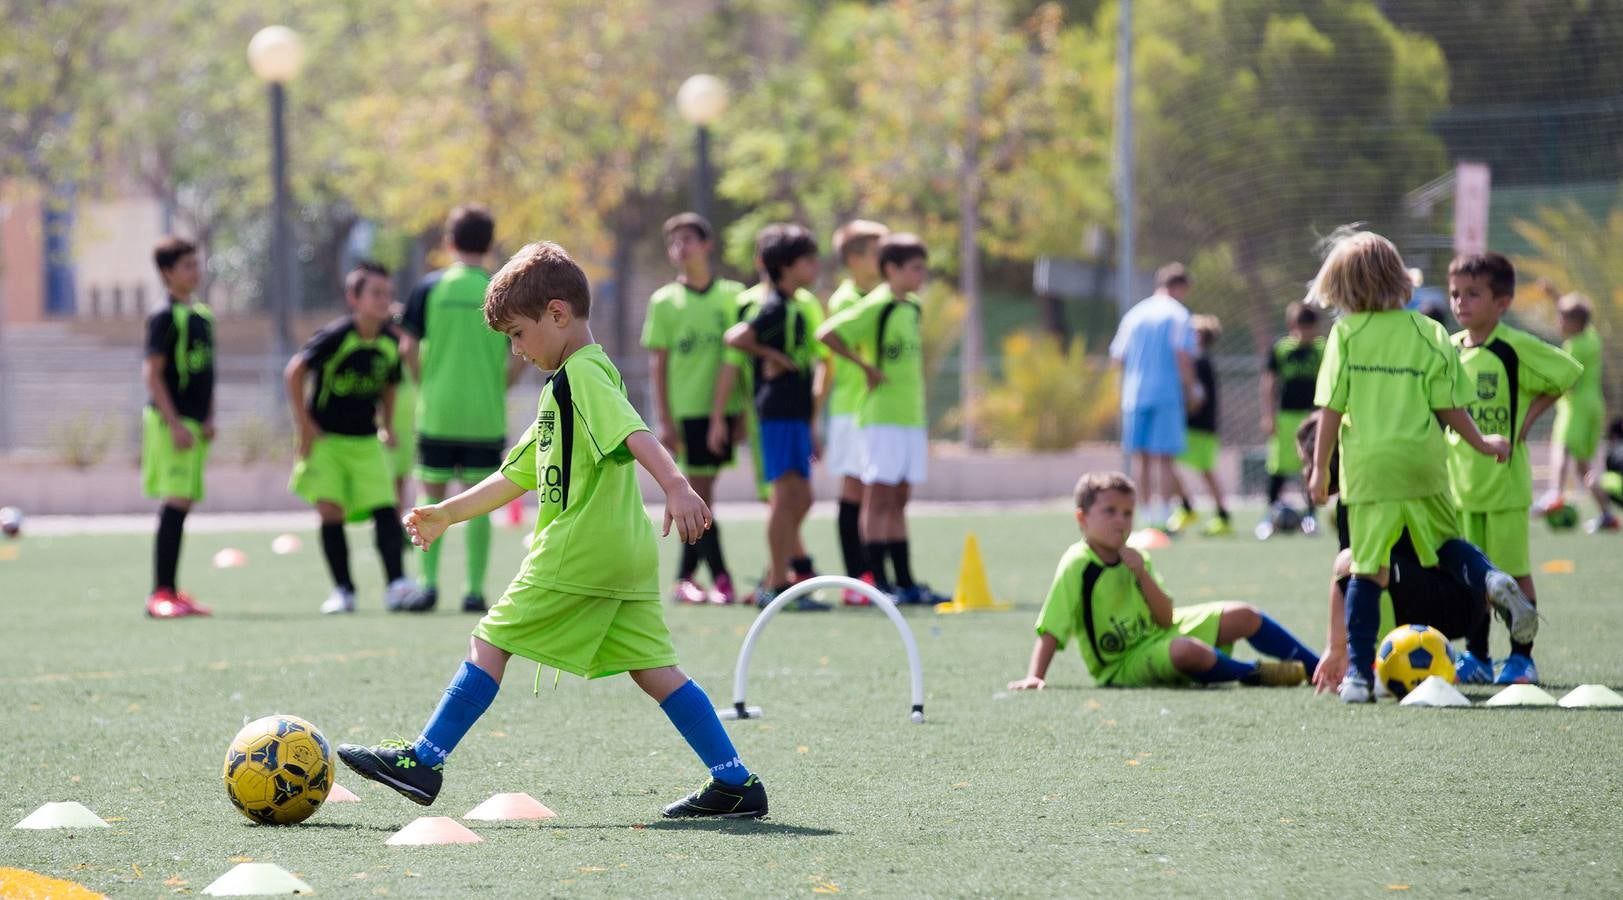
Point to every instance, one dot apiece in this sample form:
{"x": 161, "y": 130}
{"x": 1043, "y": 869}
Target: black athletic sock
{"x": 166, "y": 548}
{"x": 1223, "y": 513}
{"x": 851, "y": 549}
{"x": 710, "y": 551}
{"x": 877, "y": 552}
{"x": 1187, "y": 506}
{"x": 336, "y": 549}
{"x": 902, "y": 560}
{"x": 1276, "y": 483}
{"x": 801, "y": 566}
{"x": 390, "y": 542}
{"x": 689, "y": 560}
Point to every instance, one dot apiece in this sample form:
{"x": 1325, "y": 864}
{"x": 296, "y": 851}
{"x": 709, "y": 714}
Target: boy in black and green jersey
{"x": 683, "y": 331}
{"x": 586, "y": 599}
{"x": 778, "y": 335}
{"x": 178, "y": 421}
{"x": 462, "y": 399}
{"x": 1389, "y": 384}
{"x": 1109, "y": 598}
{"x": 1515, "y": 378}
{"x": 343, "y": 468}
{"x": 884, "y": 335}
{"x": 856, "y": 243}
{"x": 1287, "y": 399}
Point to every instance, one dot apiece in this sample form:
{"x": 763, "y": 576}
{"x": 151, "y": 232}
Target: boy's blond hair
{"x": 535, "y": 276}
{"x": 1575, "y": 306}
{"x": 1207, "y": 329}
{"x": 1363, "y": 272}
{"x": 856, "y": 237}
{"x": 1091, "y": 485}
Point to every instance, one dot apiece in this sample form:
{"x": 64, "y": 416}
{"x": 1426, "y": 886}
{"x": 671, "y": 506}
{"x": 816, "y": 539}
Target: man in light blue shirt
{"x": 1155, "y": 347}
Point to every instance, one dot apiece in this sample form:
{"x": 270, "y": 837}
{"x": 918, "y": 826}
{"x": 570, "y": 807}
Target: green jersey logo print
{"x": 544, "y": 427}
{"x": 1487, "y": 385}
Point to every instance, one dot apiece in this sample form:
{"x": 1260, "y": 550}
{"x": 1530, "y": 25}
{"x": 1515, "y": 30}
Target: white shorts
{"x": 842, "y": 452}
{"x": 893, "y": 454}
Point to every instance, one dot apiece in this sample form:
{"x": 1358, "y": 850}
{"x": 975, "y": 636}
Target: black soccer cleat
{"x": 393, "y": 763}
{"x": 473, "y": 603}
{"x": 722, "y": 801}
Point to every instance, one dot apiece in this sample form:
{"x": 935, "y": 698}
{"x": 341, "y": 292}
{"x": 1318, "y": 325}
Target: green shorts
{"x": 1200, "y": 451}
{"x": 404, "y": 455}
{"x": 1282, "y": 456}
{"x": 351, "y": 471}
{"x": 586, "y": 636}
{"x": 1376, "y": 526}
{"x": 1503, "y": 536}
{"x": 167, "y": 470}
{"x": 1577, "y": 429}
{"x": 1149, "y": 662}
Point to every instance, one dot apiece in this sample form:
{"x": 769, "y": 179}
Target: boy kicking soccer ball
{"x": 1109, "y": 597}
{"x": 586, "y": 599}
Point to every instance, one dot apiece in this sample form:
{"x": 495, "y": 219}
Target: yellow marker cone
{"x": 972, "y": 593}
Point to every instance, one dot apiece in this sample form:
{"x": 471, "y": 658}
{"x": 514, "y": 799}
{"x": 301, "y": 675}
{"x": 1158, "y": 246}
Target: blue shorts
{"x": 786, "y": 446}
{"x": 1160, "y": 430}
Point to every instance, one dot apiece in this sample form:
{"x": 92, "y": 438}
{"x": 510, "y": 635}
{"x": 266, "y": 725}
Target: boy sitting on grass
{"x": 1130, "y": 633}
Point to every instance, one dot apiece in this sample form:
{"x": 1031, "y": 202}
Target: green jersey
{"x": 850, "y": 384}
{"x": 888, "y": 333}
{"x": 463, "y": 395}
{"x": 183, "y": 334}
{"x": 1585, "y": 348}
{"x": 1507, "y": 371}
{"x": 592, "y": 535}
{"x": 689, "y": 325}
{"x": 1386, "y": 372}
{"x": 1295, "y": 364}
{"x": 1101, "y": 604}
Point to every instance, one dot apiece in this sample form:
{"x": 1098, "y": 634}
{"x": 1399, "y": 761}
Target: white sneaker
{"x": 403, "y": 594}
{"x": 1355, "y": 688}
{"x": 1519, "y": 614}
{"x": 339, "y": 601}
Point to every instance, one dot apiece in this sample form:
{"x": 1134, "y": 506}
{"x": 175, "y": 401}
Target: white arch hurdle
{"x": 741, "y": 711}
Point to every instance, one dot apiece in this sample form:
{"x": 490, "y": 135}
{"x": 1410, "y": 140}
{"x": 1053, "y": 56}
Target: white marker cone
{"x": 257, "y": 879}
{"x": 67, "y": 814}
{"x": 1521, "y": 695}
{"x": 1436, "y": 691}
{"x": 510, "y": 807}
{"x": 433, "y": 830}
{"x": 1592, "y": 695}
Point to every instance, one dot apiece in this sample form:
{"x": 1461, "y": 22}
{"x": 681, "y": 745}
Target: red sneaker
{"x": 723, "y": 593}
{"x": 197, "y": 609}
{"x": 857, "y": 598}
{"x": 688, "y": 591}
{"x": 167, "y": 604}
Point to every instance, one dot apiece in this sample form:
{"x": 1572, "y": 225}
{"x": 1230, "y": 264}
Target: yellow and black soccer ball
{"x": 1409, "y": 655}
{"x": 278, "y": 770}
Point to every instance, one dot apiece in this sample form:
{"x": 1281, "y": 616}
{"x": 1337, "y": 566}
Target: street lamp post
{"x": 276, "y": 54}
{"x": 701, "y": 100}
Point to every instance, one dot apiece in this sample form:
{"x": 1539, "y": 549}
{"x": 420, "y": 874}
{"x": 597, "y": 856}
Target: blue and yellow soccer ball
{"x": 278, "y": 770}
{"x": 1562, "y": 518}
{"x": 1411, "y": 654}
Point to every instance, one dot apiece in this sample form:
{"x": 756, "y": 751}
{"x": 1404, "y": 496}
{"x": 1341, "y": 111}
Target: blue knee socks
{"x": 1227, "y": 668}
{"x": 1272, "y": 638}
{"x": 466, "y": 698}
{"x": 690, "y": 711}
{"x": 1363, "y": 624}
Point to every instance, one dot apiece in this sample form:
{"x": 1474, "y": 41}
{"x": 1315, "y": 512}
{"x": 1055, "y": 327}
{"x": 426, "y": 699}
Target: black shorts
{"x": 1422, "y": 596}
{"x": 695, "y": 456}
{"x": 440, "y": 460}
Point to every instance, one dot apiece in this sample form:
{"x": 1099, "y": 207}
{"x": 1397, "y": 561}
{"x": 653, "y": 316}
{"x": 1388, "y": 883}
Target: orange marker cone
{"x": 508, "y": 808}
{"x": 973, "y": 593}
{"x": 433, "y": 830}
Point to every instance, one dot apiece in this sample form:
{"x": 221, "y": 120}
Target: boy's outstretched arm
{"x": 1324, "y": 445}
{"x": 682, "y": 504}
{"x": 426, "y": 523}
{"x": 1333, "y": 664}
{"x": 1496, "y": 445}
{"x": 1042, "y": 653}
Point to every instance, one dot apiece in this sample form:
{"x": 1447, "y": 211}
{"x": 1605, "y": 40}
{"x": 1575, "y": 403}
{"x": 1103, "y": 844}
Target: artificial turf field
{"x": 1074, "y": 791}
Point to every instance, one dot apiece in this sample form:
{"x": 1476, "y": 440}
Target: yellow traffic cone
{"x": 972, "y": 593}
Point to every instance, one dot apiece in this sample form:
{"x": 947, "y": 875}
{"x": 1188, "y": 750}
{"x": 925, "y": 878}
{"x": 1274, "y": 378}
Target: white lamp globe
{"x": 702, "y": 99}
{"x": 276, "y": 54}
